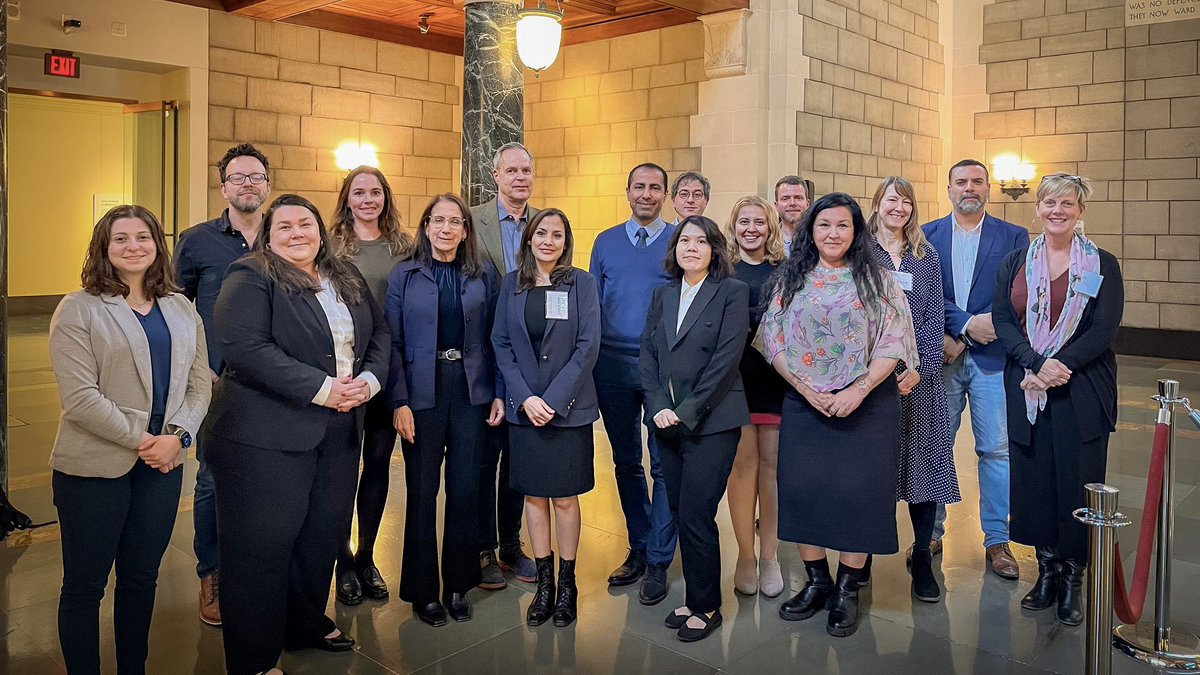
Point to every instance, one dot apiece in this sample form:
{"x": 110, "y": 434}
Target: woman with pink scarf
{"x": 1057, "y": 308}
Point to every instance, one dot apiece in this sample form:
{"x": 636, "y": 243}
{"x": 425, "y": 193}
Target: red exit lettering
{"x": 62, "y": 65}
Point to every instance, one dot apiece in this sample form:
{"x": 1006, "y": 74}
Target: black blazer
{"x": 278, "y": 349}
{"x": 701, "y": 360}
{"x": 561, "y": 373}
{"x": 1092, "y": 388}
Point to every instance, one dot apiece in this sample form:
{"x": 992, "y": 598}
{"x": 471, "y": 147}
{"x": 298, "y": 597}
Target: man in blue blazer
{"x": 971, "y": 245}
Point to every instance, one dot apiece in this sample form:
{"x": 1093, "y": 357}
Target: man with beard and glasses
{"x": 971, "y": 245}
{"x": 791, "y": 201}
{"x": 202, "y": 255}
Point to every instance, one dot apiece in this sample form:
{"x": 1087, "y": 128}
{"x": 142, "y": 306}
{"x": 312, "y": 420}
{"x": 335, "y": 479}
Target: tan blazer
{"x": 486, "y": 217}
{"x": 101, "y": 360}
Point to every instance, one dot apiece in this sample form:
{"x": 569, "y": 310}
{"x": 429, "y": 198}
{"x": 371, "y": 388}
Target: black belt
{"x": 450, "y": 355}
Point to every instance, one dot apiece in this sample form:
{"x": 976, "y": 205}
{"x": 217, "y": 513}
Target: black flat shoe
{"x": 675, "y": 621}
{"x": 433, "y": 614}
{"x": 711, "y": 623}
{"x": 339, "y": 643}
{"x": 458, "y": 605}
{"x": 373, "y": 585}
{"x": 349, "y": 588}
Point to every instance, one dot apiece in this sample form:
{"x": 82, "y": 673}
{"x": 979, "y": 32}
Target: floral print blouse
{"x": 829, "y": 337}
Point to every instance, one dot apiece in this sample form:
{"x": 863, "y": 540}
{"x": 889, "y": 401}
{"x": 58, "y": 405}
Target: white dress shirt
{"x": 341, "y": 325}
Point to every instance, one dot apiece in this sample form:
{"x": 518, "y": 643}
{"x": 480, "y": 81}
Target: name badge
{"x": 1089, "y": 285}
{"x": 556, "y": 304}
{"x": 903, "y": 279}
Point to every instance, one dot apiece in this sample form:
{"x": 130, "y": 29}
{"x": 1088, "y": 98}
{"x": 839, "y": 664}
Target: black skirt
{"x": 837, "y": 476}
{"x": 551, "y": 461}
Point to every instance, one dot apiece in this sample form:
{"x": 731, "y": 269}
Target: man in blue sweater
{"x": 627, "y": 262}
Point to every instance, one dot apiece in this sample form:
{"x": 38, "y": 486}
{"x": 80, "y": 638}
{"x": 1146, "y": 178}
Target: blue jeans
{"x": 651, "y": 527}
{"x": 967, "y": 381}
{"x": 204, "y": 518}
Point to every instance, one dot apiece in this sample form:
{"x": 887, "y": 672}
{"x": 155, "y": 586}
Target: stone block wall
{"x": 872, "y": 97}
{"x": 297, "y": 93}
{"x": 605, "y": 107}
{"x": 1071, "y": 89}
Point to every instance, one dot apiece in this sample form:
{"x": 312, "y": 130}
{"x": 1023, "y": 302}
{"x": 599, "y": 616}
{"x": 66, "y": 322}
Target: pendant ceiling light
{"x": 539, "y": 35}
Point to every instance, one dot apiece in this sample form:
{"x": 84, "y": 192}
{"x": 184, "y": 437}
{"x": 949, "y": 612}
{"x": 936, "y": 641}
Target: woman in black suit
{"x": 1057, "y": 307}
{"x": 445, "y": 390}
{"x": 305, "y": 347}
{"x": 691, "y": 348}
{"x": 547, "y": 338}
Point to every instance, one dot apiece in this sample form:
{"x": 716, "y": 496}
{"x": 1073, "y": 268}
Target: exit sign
{"x": 62, "y": 64}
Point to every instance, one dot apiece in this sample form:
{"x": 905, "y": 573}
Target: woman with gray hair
{"x": 1057, "y": 307}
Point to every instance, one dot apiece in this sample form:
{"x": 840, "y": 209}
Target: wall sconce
{"x": 539, "y": 34}
{"x": 351, "y": 154}
{"x": 1013, "y": 174}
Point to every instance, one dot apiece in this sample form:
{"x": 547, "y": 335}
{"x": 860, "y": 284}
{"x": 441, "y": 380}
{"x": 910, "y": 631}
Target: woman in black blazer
{"x": 445, "y": 390}
{"x": 305, "y": 347}
{"x": 691, "y": 348}
{"x": 1060, "y": 382}
{"x": 547, "y": 338}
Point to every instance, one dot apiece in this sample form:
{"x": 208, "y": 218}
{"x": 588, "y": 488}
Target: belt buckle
{"x": 452, "y": 355}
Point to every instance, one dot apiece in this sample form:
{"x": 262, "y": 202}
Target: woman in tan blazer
{"x": 131, "y": 364}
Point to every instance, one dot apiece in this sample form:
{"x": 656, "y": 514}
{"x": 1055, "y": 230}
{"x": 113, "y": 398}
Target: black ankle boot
{"x": 1070, "y": 593}
{"x": 565, "y": 605}
{"x": 1045, "y": 589}
{"x": 543, "y": 596}
{"x": 813, "y": 597}
{"x": 843, "y": 604}
{"x": 924, "y": 585}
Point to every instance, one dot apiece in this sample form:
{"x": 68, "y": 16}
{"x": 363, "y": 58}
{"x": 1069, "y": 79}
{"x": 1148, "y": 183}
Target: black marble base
{"x": 1158, "y": 342}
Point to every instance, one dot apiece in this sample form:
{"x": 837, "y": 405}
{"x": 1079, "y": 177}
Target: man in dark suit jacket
{"x": 500, "y": 222}
{"x": 972, "y": 245}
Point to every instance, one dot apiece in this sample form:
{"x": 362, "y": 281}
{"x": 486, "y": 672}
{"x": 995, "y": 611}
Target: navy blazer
{"x": 997, "y": 240}
{"x": 412, "y": 314}
{"x": 561, "y": 374}
{"x": 699, "y": 362}
{"x": 278, "y": 350}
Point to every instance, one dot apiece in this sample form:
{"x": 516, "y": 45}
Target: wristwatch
{"x": 184, "y": 437}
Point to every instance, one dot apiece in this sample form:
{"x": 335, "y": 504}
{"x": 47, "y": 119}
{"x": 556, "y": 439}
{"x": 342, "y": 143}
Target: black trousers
{"x": 451, "y": 431}
{"x": 500, "y": 507}
{"x": 126, "y": 521}
{"x": 696, "y": 470}
{"x": 280, "y": 519}
{"x": 379, "y": 441}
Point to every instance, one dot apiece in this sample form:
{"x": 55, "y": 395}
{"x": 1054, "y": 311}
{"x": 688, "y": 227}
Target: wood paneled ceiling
{"x": 397, "y": 20}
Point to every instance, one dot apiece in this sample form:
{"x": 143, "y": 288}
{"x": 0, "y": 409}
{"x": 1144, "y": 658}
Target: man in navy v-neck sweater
{"x": 627, "y": 262}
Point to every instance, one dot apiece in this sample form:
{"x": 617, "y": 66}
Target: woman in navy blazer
{"x": 691, "y": 348}
{"x": 305, "y": 347}
{"x": 444, "y": 389}
{"x": 547, "y": 338}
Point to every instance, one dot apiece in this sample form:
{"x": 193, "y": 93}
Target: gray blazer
{"x": 101, "y": 360}
{"x": 486, "y": 217}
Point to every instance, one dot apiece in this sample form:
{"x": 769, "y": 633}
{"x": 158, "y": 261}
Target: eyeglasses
{"x": 442, "y": 220}
{"x": 241, "y": 178}
{"x": 694, "y": 194}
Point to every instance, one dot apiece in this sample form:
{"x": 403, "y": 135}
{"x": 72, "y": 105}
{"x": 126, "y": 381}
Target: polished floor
{"x": 978, "y": 628}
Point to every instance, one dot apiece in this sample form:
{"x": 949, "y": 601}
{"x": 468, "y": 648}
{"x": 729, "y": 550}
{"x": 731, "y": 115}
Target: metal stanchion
{"x": 1158, "y": 645}
{"x": 1102, "y": 517}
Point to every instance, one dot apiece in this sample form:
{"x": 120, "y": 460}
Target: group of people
{"x": 808, "y": 359}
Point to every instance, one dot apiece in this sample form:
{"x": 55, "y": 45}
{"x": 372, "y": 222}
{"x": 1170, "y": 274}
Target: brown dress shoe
{"x": 1001, "y": 560}
{"x": 210, "y": 602}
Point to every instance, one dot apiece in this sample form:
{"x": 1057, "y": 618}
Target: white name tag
{"x": 556, "y": 304}
{"x": 1089, "y": 285}
{"x": 903, "y": 279}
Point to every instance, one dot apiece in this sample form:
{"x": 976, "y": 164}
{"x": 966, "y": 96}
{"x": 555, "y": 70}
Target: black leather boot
{"x": 924, "y": 585}
{"x": 813, "y": 597}
{"x": 568, "y": 595}
{"x": 543, "y": 596}
{"x": 1045, "y": 589}
{"x": 843, "y": 605}
{"x": 1070, "y": 592}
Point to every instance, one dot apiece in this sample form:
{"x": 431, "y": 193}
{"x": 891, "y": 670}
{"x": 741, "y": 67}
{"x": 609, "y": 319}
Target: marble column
{"x": 4, "y": 245}
{"x": 493, "y": 92}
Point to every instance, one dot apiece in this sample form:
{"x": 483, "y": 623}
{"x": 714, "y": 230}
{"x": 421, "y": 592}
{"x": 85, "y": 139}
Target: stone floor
{"x": 978, "y": 628}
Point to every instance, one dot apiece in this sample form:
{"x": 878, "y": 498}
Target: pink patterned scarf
{"x": 1047, "y": 339}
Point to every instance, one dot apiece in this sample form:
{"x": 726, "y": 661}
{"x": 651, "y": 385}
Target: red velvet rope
{"x": 1129, "y": 603}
